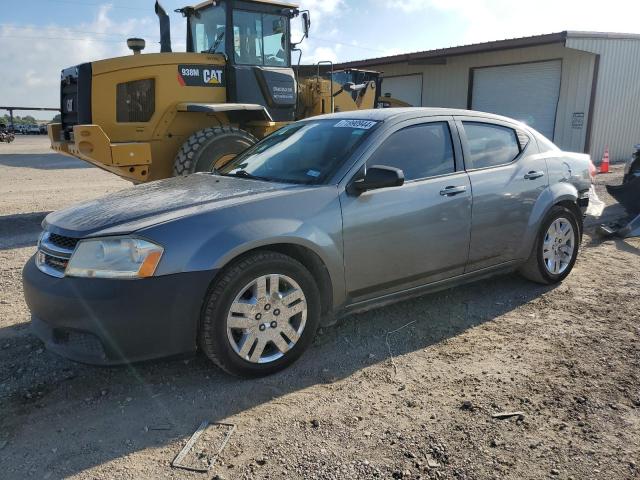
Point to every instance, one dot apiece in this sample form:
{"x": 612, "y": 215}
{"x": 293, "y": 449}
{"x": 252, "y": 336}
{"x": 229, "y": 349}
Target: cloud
{"x": 320, "y": 45}
{"x": 485, "y": 20}
{"x": 322, "y": 7}
{"x": 320, "y": 54}
{"x": 33, "y": 56}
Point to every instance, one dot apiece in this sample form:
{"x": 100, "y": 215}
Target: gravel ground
{"x": 406, "y": 391}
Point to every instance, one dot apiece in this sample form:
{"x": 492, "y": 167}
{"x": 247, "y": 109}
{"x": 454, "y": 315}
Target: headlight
{"x": 114, "y": 258}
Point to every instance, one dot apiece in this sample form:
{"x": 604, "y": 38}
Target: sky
{"x": 38, "y": 38}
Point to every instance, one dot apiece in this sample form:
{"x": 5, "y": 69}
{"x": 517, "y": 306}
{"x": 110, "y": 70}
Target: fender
{"x": 550, "y": 196}
{"x": 218, "y": 233}
{"x": 241, "y": 239}
{"x": 237, "y": 112}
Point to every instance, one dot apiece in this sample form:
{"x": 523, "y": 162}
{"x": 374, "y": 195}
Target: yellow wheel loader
{"x": 150, "y": 116}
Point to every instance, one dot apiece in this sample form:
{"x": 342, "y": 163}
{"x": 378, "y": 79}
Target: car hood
{"x": 161, "y": 201}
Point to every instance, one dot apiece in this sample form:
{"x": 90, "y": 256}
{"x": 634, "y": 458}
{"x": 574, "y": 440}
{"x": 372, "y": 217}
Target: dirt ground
{"x": 406, "y": 391}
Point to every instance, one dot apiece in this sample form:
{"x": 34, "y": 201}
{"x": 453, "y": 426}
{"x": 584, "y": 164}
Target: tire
{"x": 536, "y": 268}
{"x": 211, "y": 148}
{"x": 225, "y": 345}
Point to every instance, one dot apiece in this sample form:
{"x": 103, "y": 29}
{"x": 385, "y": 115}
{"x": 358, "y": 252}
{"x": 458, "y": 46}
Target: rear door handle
{"x": 452, "y": 190}
{"x": 532, "y": 175}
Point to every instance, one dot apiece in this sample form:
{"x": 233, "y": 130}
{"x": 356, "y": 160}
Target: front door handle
{"x": 532, "y": 175}
{"x": 453, "y": 190}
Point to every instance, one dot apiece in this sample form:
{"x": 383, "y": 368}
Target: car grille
{"x": 75, "y": 99}
{"x": 68, "y": 243}
{"x": 54, "y": 252}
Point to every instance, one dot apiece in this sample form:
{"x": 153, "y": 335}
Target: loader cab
{"x": 254, "y": 36}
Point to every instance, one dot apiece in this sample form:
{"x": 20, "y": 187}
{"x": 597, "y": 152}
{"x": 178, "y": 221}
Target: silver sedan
{"x": 325, "y": 216}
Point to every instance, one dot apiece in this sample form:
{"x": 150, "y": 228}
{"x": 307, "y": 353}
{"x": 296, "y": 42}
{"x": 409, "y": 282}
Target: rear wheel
{"x": 261, "y": 315}
{"x": 210, "y": 149}
{"x": 556, "y": 248}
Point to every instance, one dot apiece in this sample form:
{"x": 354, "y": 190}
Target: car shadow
{"x": 42, "y": 161}
{"x": 94, "y": 415}
{"x": 20, "y": 230}
{"x": 628, "y": 247}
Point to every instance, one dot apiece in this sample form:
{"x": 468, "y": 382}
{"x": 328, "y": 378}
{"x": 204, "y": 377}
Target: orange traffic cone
{"x": 604, "y": 164}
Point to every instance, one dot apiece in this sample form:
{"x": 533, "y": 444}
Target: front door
{"x": 401, "y": 237}
{"x": 507, "y": 177}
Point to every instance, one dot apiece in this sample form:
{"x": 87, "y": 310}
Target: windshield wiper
{"x": 216, "y": 43}
{"x": 244, "y": 174}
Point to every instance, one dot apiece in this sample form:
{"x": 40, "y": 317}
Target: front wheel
{"x": 556, "y": 248}
{"x": 261, "y": 315}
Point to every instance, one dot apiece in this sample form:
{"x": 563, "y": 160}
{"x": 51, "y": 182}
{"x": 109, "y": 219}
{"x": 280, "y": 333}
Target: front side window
{"x": 305, "y": 152}
{"x": 260, "y": 39}
{"x": 491, "y": 145}
{"x": 207, "y": 30}
{"x": 419, "y": 151}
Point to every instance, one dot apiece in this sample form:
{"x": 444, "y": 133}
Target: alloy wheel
{"x": 267, "y": 318}
{"x": 558, "y": 246}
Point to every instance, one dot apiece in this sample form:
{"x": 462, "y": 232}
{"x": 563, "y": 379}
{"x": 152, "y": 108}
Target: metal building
{"x": 581, "y": 89}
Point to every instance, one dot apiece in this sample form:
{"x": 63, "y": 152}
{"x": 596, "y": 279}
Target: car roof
{"x": 406, "y": 113}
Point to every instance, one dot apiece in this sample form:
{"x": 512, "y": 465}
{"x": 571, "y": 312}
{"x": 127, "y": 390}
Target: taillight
{"x": 592, "y": 170}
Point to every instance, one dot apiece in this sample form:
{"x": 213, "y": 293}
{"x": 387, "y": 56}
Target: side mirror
{"x": 306, "y": 23}
{"x": 378, "y": 176}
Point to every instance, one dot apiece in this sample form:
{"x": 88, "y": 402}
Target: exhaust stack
{"x": 165, "y": 29}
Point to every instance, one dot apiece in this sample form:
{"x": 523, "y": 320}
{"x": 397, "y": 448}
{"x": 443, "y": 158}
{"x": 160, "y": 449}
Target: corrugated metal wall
{"x": 616, "y": 117}
{"x": 447, "y": 85}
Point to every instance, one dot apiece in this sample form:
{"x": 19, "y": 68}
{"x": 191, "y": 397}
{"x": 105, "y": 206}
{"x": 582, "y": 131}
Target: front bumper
{"x": 110, "y": 322}
{"x": 130, "y": 160}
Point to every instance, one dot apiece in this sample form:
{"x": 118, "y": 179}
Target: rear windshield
{"x": 305, "y": 152}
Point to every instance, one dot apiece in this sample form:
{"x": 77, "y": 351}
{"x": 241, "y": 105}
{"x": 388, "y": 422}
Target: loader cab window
{"x": 208, "y": 30}
{"x": 260, "y": 39}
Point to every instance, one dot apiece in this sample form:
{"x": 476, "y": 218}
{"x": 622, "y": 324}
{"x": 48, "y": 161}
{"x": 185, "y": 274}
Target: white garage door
{"x": 528, "y": 92}
{"x": 407, "y": 88}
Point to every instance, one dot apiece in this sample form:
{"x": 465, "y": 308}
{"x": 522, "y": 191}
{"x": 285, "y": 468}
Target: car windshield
{"x": 305, "y": 152}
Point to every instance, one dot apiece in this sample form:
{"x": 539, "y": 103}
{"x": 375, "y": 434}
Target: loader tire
{"x": 211, "y": 148}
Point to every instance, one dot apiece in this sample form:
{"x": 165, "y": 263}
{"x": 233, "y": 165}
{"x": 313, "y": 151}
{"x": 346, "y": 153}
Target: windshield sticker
{"x": 363, "y": 124}
{"x": 313, "y": 173}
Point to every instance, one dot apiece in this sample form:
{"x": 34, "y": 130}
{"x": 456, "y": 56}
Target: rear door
{"x": 400, "y": 237}
{"x": 507, "y": 176}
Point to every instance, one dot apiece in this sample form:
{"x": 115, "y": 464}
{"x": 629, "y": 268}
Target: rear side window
{"x": 491, "y": 145}
{"x": 545, "y": 145}
{"x": 419, "y": 151}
